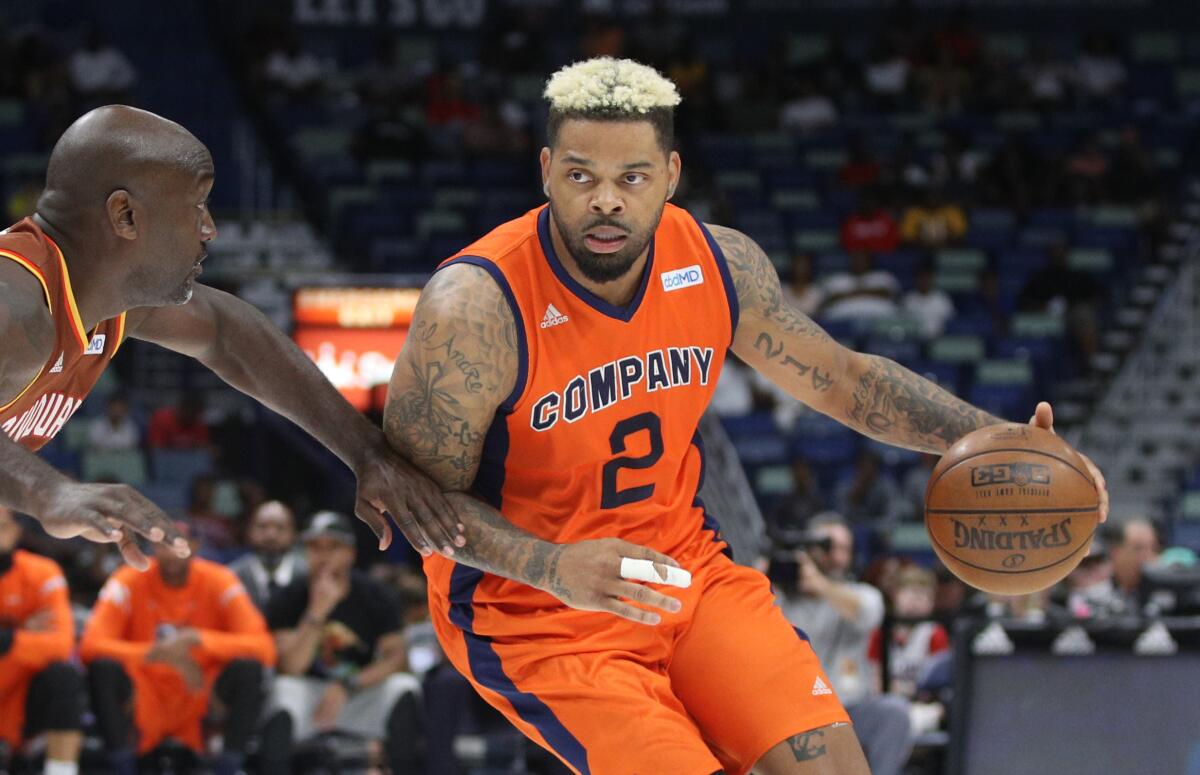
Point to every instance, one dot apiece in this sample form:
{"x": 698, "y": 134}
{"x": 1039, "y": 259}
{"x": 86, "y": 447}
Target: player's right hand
{"x": 587, "y": 576}
{"x": 109, "y": 513}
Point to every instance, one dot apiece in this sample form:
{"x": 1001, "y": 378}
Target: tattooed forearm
{"x": 892, "y": 404}
{"x": 497, "y": 546}
{"x": 807, "y": 746}
{"x": 765, "y": 344}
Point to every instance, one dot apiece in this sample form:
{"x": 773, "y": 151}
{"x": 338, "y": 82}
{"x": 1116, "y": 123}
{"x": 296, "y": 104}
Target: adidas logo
{"x": 820, "y": 688}
{"x": 553, "y": 317}
{"x": 57, "y": 367}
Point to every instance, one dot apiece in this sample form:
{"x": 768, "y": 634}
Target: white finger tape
{"x": 643, "y": 570}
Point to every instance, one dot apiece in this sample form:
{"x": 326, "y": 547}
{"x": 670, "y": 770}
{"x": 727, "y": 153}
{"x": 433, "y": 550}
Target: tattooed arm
{"x": 873, "y": 395}
{"x": 458, "y": 364}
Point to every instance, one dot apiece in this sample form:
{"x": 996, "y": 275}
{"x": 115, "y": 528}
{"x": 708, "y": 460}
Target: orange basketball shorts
{"x": 712, "y": 687}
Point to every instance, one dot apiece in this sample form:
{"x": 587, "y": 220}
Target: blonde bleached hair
{"x": 610, "y": 85}
{"x": 607, "y": 89}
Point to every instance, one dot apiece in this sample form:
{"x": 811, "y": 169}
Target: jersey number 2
{"x": 610, "y": 496}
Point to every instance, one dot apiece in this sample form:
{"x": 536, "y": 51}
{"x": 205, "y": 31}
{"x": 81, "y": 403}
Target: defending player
{"x": 113, "y": 251}
{"x": 557, "y": 369}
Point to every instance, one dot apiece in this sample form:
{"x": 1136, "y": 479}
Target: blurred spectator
{"x": 161, "y": 645}
{"x": 912, "y": 488}
{"x": 391, "y": 132}
{"x": 862, "y": 293}
{"x": 1133, "y": 170}
{"x": 446, "y": 100}
{"x": 290, "y": 70}
{"x": 1131, "y": 545}
{"x": 341, "y": 656}
{"x": 602, "y": 37}
{"x": 40, "y": 692}
{"x": 808, "y": 110}
{"x": 1017, "y": 176}
{"x": 931, "y": 307}
{"x": 934, "y": 224}
{"x": 500, "y": 128}
{"x": 838, "y": 615}
{"x": 911, "y": 173}
{"x": 1087, "y": 172}
{"x": 869, "y": 495}
{"x": 861, "y": 169}
{"x": 1089, "y": 588}
{"x": 1070, "y": 294}
{"x": 273, "y": 560}
{"x": 1098, "y": 71}
{"x": 179, "y": 427}
{"x": 1046, "y": 78}
{"x": 955, "y": 168}
{"x": 801, "y": 290}
{"x": 886, "y": 73}
{"x": 389, "y": 77}
{"x": 100, "y": 73}
{"x": 870, "y": 228}
{"x": 944, "y": 84}
{"x": 733, "y": 396}
{"x": 115, "y": 430}
{"x": 914, "y": 636}
{"x": 796, "y": 508}
{"x": 214, "y": 529}
{"x": 688, "y": 71}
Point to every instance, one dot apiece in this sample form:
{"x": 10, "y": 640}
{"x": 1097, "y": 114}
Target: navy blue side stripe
{"x": 726, "y": 278}
{"x": 522, "y": 345}
{"x": 710, "y": 522}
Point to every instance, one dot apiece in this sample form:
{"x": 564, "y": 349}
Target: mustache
{"x": 606, "y": 222}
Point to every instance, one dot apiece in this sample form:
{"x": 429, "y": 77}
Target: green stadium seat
{"x": 450, "y": 198}
{"x": 128, "y": 467}
{"x": 729, "y": 180}
{"x": 1036, "y": 324}
{"x": 12, "y": 113}
{"x": 957, "y": 349}
{"x": 909, "y": 537}
{"x": 912, "y": 122}
{"x": 1187, "y": 82}
{"x": 1115, "y": 217}
{"x": 1008, "y": 46}
{"x": 896, "y": 328}
{"x": 1155, "y": 47}
{"x": 815, "y": 240}
{"x": 804, "y": 49}
{"x": 825, "y": 158}
{"x": 956, "y": 281}
{"x": 1090, "y": 259}
{"x": 440, "y": 222}
{"x": 795, "y": 199}
{"x": 774, "y": 480}
{"x": 322, "y": 142}
{"x": 1018, "y": 121}
{"x": 1004, "y": 372}
{"x": 1189, "y": 507}
{"x": 961, "y": 260}
{"x": 389, "y": 169}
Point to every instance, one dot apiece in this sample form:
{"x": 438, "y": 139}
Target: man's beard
{"x": 604, "y": 267}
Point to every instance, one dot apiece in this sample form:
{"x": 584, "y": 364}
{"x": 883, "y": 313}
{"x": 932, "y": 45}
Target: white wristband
{"x": 643, "y": 570}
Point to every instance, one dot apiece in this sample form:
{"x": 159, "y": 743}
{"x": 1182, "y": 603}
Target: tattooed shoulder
{"x": 459, "y": 364}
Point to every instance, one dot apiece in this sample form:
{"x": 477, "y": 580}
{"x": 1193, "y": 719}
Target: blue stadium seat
{"x": 179, "y": 466}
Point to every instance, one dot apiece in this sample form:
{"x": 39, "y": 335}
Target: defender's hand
{"x": 109, "y": 513}
{"x": 389, "y": 484}
{"x": 587, "y": 576}
{"x": 1043, "y": 417}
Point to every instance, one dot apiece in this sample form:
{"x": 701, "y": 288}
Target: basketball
{"x": 1011, "y": 509}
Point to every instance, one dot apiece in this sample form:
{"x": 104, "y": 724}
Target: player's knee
{"x": 57, "y": 678}
{"x": 248, "y": 671}
{"x": 106, "y": 673}
{"x": 59, "y": 692}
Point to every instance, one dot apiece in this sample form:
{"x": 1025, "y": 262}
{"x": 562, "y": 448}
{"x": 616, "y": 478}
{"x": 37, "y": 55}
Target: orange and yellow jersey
{"x": 39, "y": 412}
{"x": 599, "y": 436}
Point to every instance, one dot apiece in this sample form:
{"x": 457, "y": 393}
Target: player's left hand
{"x": 389, "y": 484}
{"x": 1043, "y": 417}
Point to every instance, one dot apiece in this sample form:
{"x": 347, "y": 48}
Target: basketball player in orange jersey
{"x": 114, "y": 250}
{"x": 553, "y": 379}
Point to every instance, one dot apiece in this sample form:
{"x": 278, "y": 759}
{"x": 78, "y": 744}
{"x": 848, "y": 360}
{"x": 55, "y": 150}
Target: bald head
{"x": 117, "y": 147}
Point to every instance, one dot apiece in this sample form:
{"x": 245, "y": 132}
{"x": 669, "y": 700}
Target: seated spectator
{"x": 115, "y": 430}
{"x": 273, "y": 560}
{"x": 341, "y": 656}
{"x": 40, "y": 692}
{"x": 912, "y": 488}
{"x": 733, "y": 396}
{"x": 944, "y": 84}
{"x": 1098, "y": 71}
{"x": 1017, "y": 176}
{"x": 914, "y": 636}
{"x": 446, "y": 100}
{"x": 1068, "y": 293}
{"x": 931, "y": 307}
{"x": 1087, "y": 173}
{"x": 1134, "y": 169}
{"x": 801, "y": 289}
{"x": 870, "y": 228}
{"x": 1047, "y": 79}
{"x": 179, "y": 427}
{"x": 886, "y": 74}
{"x": 161, "y": 644}
{"x": 293, "y": 72}
{"x": 100, "y": 73}
{"x": 838, "y": 614}
{"x": 797, "y": 507}
{"x": 807, "y": 110}
{"x": 869, "y": 496}
{"x": 862, "y": 169}
{"x": 863, "y": 293}
{"x": 955, "y": 168}
{"x": 934, "y": 224}
{"x": 1090, "y": 592}
{"x": 214, "y": 529}
{"x": 1132, "y": 545}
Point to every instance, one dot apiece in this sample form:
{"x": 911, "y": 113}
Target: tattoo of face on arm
{"x": 895, "y": 405}
{"x": 807, "y": 746}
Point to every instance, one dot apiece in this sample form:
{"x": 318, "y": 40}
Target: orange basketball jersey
{"x": 599, "y": 437}
{"x": 78, "y": 358}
